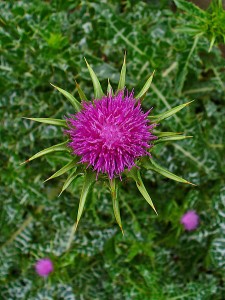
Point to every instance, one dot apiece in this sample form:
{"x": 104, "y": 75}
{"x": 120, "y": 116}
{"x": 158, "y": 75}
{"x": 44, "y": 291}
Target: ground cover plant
{"x": 43, "y": 42}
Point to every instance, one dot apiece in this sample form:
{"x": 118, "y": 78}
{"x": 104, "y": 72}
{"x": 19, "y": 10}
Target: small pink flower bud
{"x": 190, "y": 220}
{"x": 43, "y": 267}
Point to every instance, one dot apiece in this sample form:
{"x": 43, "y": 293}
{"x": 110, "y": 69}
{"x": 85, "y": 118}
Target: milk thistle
{"x": 190, "y": 220}
{"x": 44, "y": 267}
{"x": 110, "y": 138}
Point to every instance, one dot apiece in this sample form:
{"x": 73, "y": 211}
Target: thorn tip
{"x": 26, "y": 161}
{"x": 191, "y": 183}
{"x": 121, "y": 228}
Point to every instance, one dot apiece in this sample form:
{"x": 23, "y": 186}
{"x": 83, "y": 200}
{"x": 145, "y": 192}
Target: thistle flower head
{"x": 44, "y": 267}
{"x": 190, "y": 220}
{"x": 111, "y": 133}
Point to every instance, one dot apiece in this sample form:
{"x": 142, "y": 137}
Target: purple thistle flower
{"x": 111, "y": 133}
{"x": 190, "y": 220}
{"x": 43, "y": 267}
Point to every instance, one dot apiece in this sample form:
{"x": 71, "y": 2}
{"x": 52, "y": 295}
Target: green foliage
{"x": 44, "y": 42}
{"x": 210, "y": 23}
{"x": 89, "y": 178}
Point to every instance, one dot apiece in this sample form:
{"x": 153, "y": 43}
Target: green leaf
{"x": 189, "y": 29}
{"x": 76, "y": 104}
{"x": 172, "y": 138}
{"x": 169, "y": 112}
{"x": 109, "y": 89}
{"x": 70, "y": 179}
{"x": 116, "y": 209}
{"x": 88, "y": 181}
{"x": 190, "y": 8}
{"x": 145, "y": 88}
{"x": 55, "y": 148}
{"x": 135, "y": 174}
{"x": 98, "y": 92}
{"x": 122, "y": 80}
{"x": 81, "y": 93}
{"x": 152, "y": 165}
{"x": 64, "y": 169}
{"x": 50, "y": 121}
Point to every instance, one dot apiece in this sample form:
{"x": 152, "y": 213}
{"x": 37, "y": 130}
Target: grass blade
{"x": 169, "y": 112}
{"x": 135, "y": 174}
{"x": 122, "y": 80}
{"x": 116, "y": 209}
{"x": 76, "y": 104}
{"x": 66, "y": 168}
{"x": 145, "y": 88}
{"x": 98, "y": 92}
{"x": 50, "y": 121}
{"x": 58, "y": 147}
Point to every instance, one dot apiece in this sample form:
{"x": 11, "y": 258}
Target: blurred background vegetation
{"x": 45, "y": 41}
